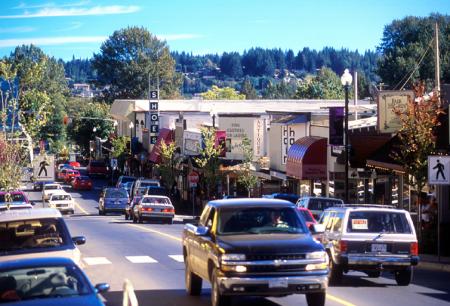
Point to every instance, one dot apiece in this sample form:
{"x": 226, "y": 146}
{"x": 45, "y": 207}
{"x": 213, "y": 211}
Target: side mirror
{"x": 201, "y": 231}
{"x": 102, "y": 287}
{"x": 317, "y": 228}
{"x": 79, "y": 240}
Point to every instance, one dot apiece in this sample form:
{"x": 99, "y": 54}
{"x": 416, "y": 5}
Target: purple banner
{"x": 336, "y": 117}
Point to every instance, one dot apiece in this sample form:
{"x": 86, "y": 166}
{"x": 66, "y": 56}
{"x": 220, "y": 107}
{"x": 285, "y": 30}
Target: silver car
{"x": 154, "y": 207}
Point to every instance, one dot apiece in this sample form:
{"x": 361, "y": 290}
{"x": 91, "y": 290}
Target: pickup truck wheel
{"x": 336, "y": 272}
{"x": 315, "y": 299}
{"x": 217, "y": 299}
{"x": 404, "y": 277}
{"x": 193, "y": 282}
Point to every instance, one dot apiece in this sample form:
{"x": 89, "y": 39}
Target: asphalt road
{"x": 149, "y": 255}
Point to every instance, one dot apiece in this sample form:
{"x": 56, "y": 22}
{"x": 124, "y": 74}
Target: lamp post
{"x": 346, "y": 80}
{"x": 131, "y": 126}
{"x": 213, "y": 113}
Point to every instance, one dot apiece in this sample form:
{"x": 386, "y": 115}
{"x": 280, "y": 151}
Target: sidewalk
{"x": 431, "y": 262}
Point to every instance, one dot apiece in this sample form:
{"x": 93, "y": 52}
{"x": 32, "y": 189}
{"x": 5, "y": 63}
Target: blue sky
{"x": 78, "y": 27}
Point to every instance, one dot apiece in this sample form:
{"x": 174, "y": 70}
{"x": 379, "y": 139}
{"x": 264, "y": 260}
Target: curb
{"x": 434, "y": 266}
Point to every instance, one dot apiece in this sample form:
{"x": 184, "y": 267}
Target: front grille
{"x": 256, "y": 257}
{"x": 272, "y": 268}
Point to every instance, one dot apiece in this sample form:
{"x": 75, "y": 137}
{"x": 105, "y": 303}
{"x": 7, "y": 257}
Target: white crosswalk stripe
{"x": 178, "y": 258}
{"x": 91, "y": 261}
{"x": 141, "y": 259}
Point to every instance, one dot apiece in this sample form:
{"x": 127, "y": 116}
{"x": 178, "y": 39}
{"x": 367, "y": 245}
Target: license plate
{"x": 379, "y": 248}
{"x": 116, "y": 203}
{"x": 278, "y": 283}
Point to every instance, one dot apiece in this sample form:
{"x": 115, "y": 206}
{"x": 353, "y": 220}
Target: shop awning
{"x": 307, "y": 158}
{"x": 382, "y": 159}
{"x": 165, "y": 135}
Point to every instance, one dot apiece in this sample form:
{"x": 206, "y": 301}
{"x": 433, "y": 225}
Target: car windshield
{"x": 322, "y": 204}
{"x": 156, "y": 190}
{"x": 152, "y": 200}
{"x": 42, "y": 282}
{"x": 306, "y": 215}
{"x": 31, "y": 234}
{"x": 259, "y": 220}
{"x": 148, "y": 184}
{"x": 15, "y": 197}
{"x": 378, "y": 222}
{"x": 51, "y": 187}
{"x": 61, "y": 197}
{"x": 116, "y": 193}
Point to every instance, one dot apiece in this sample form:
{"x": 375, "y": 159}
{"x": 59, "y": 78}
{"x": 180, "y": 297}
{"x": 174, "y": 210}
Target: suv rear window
{"x": 116, "y": 193}
{"x": 322, "y": 204}
{"x": 18, "y": 197}
{"x": 378, "y": 222}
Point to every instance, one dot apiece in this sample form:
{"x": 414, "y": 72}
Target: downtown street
{"x": 150, "y": 256}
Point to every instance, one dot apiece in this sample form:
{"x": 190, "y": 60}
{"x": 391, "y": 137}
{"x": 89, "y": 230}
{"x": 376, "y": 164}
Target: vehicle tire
{"x": 140, "y": 220}
{"x": 134, "y": 219}
{"x": 373, "y": 274}
{"x": 336, "y": 272}
{"x": 404, "y": 277}
{"x": 169, "y": 221}
{"x": 72, "y": 212}
{"x": 217, "y": 299}
{"x": 126, "y": 216}
{"x": 315, "y": 298}
{"x": 193, "y": 282}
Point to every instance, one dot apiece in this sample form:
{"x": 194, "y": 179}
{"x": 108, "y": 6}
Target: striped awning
{"x": 307, "y": 158}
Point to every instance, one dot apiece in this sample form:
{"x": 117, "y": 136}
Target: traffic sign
{"x": 44, "y": 168}
{"x": 193, "y": 179}
{"x": 439, "y": 170}
{"x": 114, "y": 163}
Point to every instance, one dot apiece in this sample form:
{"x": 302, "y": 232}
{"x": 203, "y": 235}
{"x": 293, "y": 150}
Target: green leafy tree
{"x": 279, "y": 90}
{"x": 417, "y": 137}
{"x": 248, "y": 90}
{"x": 12, "y": 159}
{"x": 325, "y": 85}
{"x": 128, "y": 58}
{"x": 169, "y": 162}
{"x": 403, "y": 44}
{"x": 226, "y": 93}
{"x": 89, "y": 116}
{"x": 208, "y": 160}
{"x": 245, "y": 177}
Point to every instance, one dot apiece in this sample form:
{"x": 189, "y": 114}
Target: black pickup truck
{"x": 258, "y": 247}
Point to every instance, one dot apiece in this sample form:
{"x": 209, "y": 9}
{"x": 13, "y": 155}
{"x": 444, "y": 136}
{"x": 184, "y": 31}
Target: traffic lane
{"x": 427, "y": 288}
{"x": 114, "y": 240}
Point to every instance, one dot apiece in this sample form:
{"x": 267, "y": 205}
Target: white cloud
{"x": 17, "y": 30}
{"x": 59, "y": 12}
{"x": 46, "y": 41}
{"x": 170, "y": 37}
{"x": 73, "y": 26}
{"x": 23, "y": 5}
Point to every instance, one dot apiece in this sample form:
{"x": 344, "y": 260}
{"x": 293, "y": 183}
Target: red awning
{"x": 307, "y": 158}
{"x": 165, "y": 135}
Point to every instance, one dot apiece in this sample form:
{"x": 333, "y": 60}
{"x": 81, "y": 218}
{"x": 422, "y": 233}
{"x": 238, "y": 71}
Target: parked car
{"x": 62, "y": 201}
{"x": 113, "y": 200}
{"x": 70, "y": 175}
{"x": 291, "y": 197}
{"x": 47, "y": 281}
{"x": 17, "y": 200}
{"x": 371, "y": 239}
{"x": 318, "y": 204}
{"x": 82, "y": 183}
{"x": 37, "y": 233}
{"x": 97, "y": 168}
{"x": 307, "y": 215}
{"x": 154, "y": 207}
{"x": 124, "y": 179}
{"x": 48, "y": 189}
{"x": 258, "y": 247}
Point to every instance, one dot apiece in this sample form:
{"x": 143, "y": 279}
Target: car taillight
{"x": 414, "y": 248}
{"x": 343, "y": 246}
{"x": 169, "y": 210}
{"x": 147, "y": 209}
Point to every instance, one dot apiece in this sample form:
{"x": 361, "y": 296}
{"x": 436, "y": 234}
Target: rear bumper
{"x": 384, "y": 262}
{"x": 156, "y": 215}
{"x": 273, "y": 286}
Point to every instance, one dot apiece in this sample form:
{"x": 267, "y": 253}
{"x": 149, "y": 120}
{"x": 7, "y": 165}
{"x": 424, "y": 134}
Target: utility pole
{"x": 437, "y": 70}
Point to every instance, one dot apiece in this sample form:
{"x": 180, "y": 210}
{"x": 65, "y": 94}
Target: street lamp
{"x": 131, "y": 126}
{"x": 346, "y": 80}
{"x": 213, "y": 114}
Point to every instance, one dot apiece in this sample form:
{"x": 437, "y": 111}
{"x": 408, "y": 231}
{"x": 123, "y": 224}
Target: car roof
{"x": 365, "y": 207}
{"x": 155, "y": 196}
{"x": 12, "y": 192}
{"x": 251, "y": 202}
{"x": 321, "y": 198}
{"x": 52, "y": 184}
{"x": 29, "y": 214}
{"x": 35, "y": 262}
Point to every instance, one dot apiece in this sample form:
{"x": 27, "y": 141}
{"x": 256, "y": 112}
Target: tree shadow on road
{"x": 180, "y": 298}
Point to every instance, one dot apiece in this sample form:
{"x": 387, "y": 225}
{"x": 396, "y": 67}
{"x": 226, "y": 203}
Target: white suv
{"x": 62, "y": 201}
{"x": 371, "y": 239}
{"x": 36, "y": 232}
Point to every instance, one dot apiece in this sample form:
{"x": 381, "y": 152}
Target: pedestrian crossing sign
{"x": 438, "y": 170}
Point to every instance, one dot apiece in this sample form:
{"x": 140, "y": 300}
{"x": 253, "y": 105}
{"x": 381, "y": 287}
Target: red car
{"x": 70, "y": 175}
{"x": 97, "y": 168}
{"x": 75, "y": 164}
{"x": 82, "y": 182}
{"x": 307, "y": 215}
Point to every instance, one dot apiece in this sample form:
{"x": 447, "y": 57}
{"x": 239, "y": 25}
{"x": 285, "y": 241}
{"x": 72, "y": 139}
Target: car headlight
{"x": 317, "y": 255}
{"x": 233, "y": 257}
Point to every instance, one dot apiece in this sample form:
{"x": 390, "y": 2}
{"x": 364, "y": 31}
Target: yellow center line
{"x": 338, "y": 300}
{"x": 329, "y": 296}
{"x": 81, "y": 208}
{"x": 156, "y": 232}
